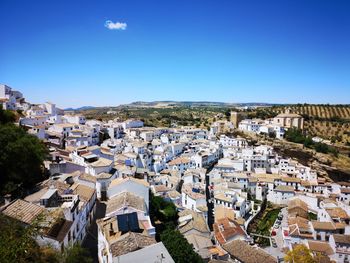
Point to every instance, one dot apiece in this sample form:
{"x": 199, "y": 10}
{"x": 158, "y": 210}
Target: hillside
{"x": 331, "y": 122}
{"x": 155, "y": 104}
{"x": 167, "y": 113}
{"x": 80, "y": 108}
{"x": 318, "y": 112}
{"x": 161, "y": 116}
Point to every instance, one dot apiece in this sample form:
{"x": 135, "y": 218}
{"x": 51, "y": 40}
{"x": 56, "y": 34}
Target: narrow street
{"x": 210, "y": 205}
{"x": 90, "y": 241}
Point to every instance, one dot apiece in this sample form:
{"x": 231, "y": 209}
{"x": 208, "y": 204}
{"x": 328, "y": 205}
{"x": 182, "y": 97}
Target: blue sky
{"x": 282, "y": 51}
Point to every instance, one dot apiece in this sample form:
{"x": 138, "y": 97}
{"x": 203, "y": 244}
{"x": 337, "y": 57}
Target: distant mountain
{"x": 193, "y": 104}
{"x": 80, "y": 108}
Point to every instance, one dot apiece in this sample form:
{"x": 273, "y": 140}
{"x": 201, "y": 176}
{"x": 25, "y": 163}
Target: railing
{"x": 343, "y": 250}
{"x": 256, "y": 212}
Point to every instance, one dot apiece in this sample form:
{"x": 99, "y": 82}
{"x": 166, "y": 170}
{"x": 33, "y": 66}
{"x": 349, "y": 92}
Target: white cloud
{"x": 115, "y": 26}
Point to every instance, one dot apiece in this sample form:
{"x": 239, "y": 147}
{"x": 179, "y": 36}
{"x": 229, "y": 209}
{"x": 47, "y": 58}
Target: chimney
{"x": 111, "y": 231}
{"x": 7, "y": 199}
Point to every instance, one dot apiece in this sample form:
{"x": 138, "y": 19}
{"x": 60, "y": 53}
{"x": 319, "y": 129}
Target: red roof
{"x": 225, "y": 229}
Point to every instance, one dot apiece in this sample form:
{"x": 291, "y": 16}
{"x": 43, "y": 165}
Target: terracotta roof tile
{"x": 87, "y": 177}
{"x": 196, "y": 222}
{"x": 125, "y": 199}
{"x": 243, "y": 252}
{"x": 23, "y": 211}
{"x": 322, "y": 247}
{"x": 317, "y": 225}
{"x": 123, "y": 180}
{"x": 297, "y": 203}
{"x": 130, "y": 242}
{"x": 85, "y": 192}
{"x": 225, "y": 230}
{"x": 342, "y": 239}
{"x": 179, "y": 160}
{"x": 337, "y": 212}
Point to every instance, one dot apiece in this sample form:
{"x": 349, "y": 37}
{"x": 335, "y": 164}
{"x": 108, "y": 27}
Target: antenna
{"x": 161, "y": 257}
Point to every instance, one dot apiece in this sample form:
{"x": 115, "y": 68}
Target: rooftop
{"x": 59, "y": 229}
{"x": 198, "y": 241}
{"x": 101, "y": 162}
{"x": 297, "y": 203}
{"x": 223, "y": 197}
{"x": 85, "y": 192}
{"x": 125, "y": 199}
{"x": 179, "y": 160}
{"x": 87, "y": 177}
{"x": 321, "y": 247}
{"x": 23, "y": 211}
{"x": 221, "y": 212}
{"x": 342, "y": 239}
{"x": 243, "y": 252}
{"x": 121, "y": 180}
{"x": 113, "y": 228}
{"x": 192, "y": 220}
{"x": 337, "y": 212}
{"x": 284, "y": 188}
{"x": 288, "y": 115}
{"x": 225, "y": 230}
{"x": 130, "y": 242}
{"x": 317, "y": 225}
{"x": 149, "y": 254}
{"x": 187, "y": 189}
{"x": 104, "y": 176}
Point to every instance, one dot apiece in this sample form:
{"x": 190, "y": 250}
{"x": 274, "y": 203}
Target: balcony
{"x": 343, "y": 250}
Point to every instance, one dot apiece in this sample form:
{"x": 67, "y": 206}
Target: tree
{"x": 6, "y": 116}
{"x": 294, "y": 135}
{"x": 308, "y": 142}
{"x": 76, "y": 254}
{"x": 321, "y": 147}
{"x": 162, "y": 210}
{"x": 321, "y": 258}
{"x": 164, "y": 217}
{"x": 228, "y": 114}
{"x": 272, "y": 134}
{"x": 299, "y": 254}
{"x": 178, "y": 247}
{"x": 17, "y": 244}
{"x": 21, "y": 159}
